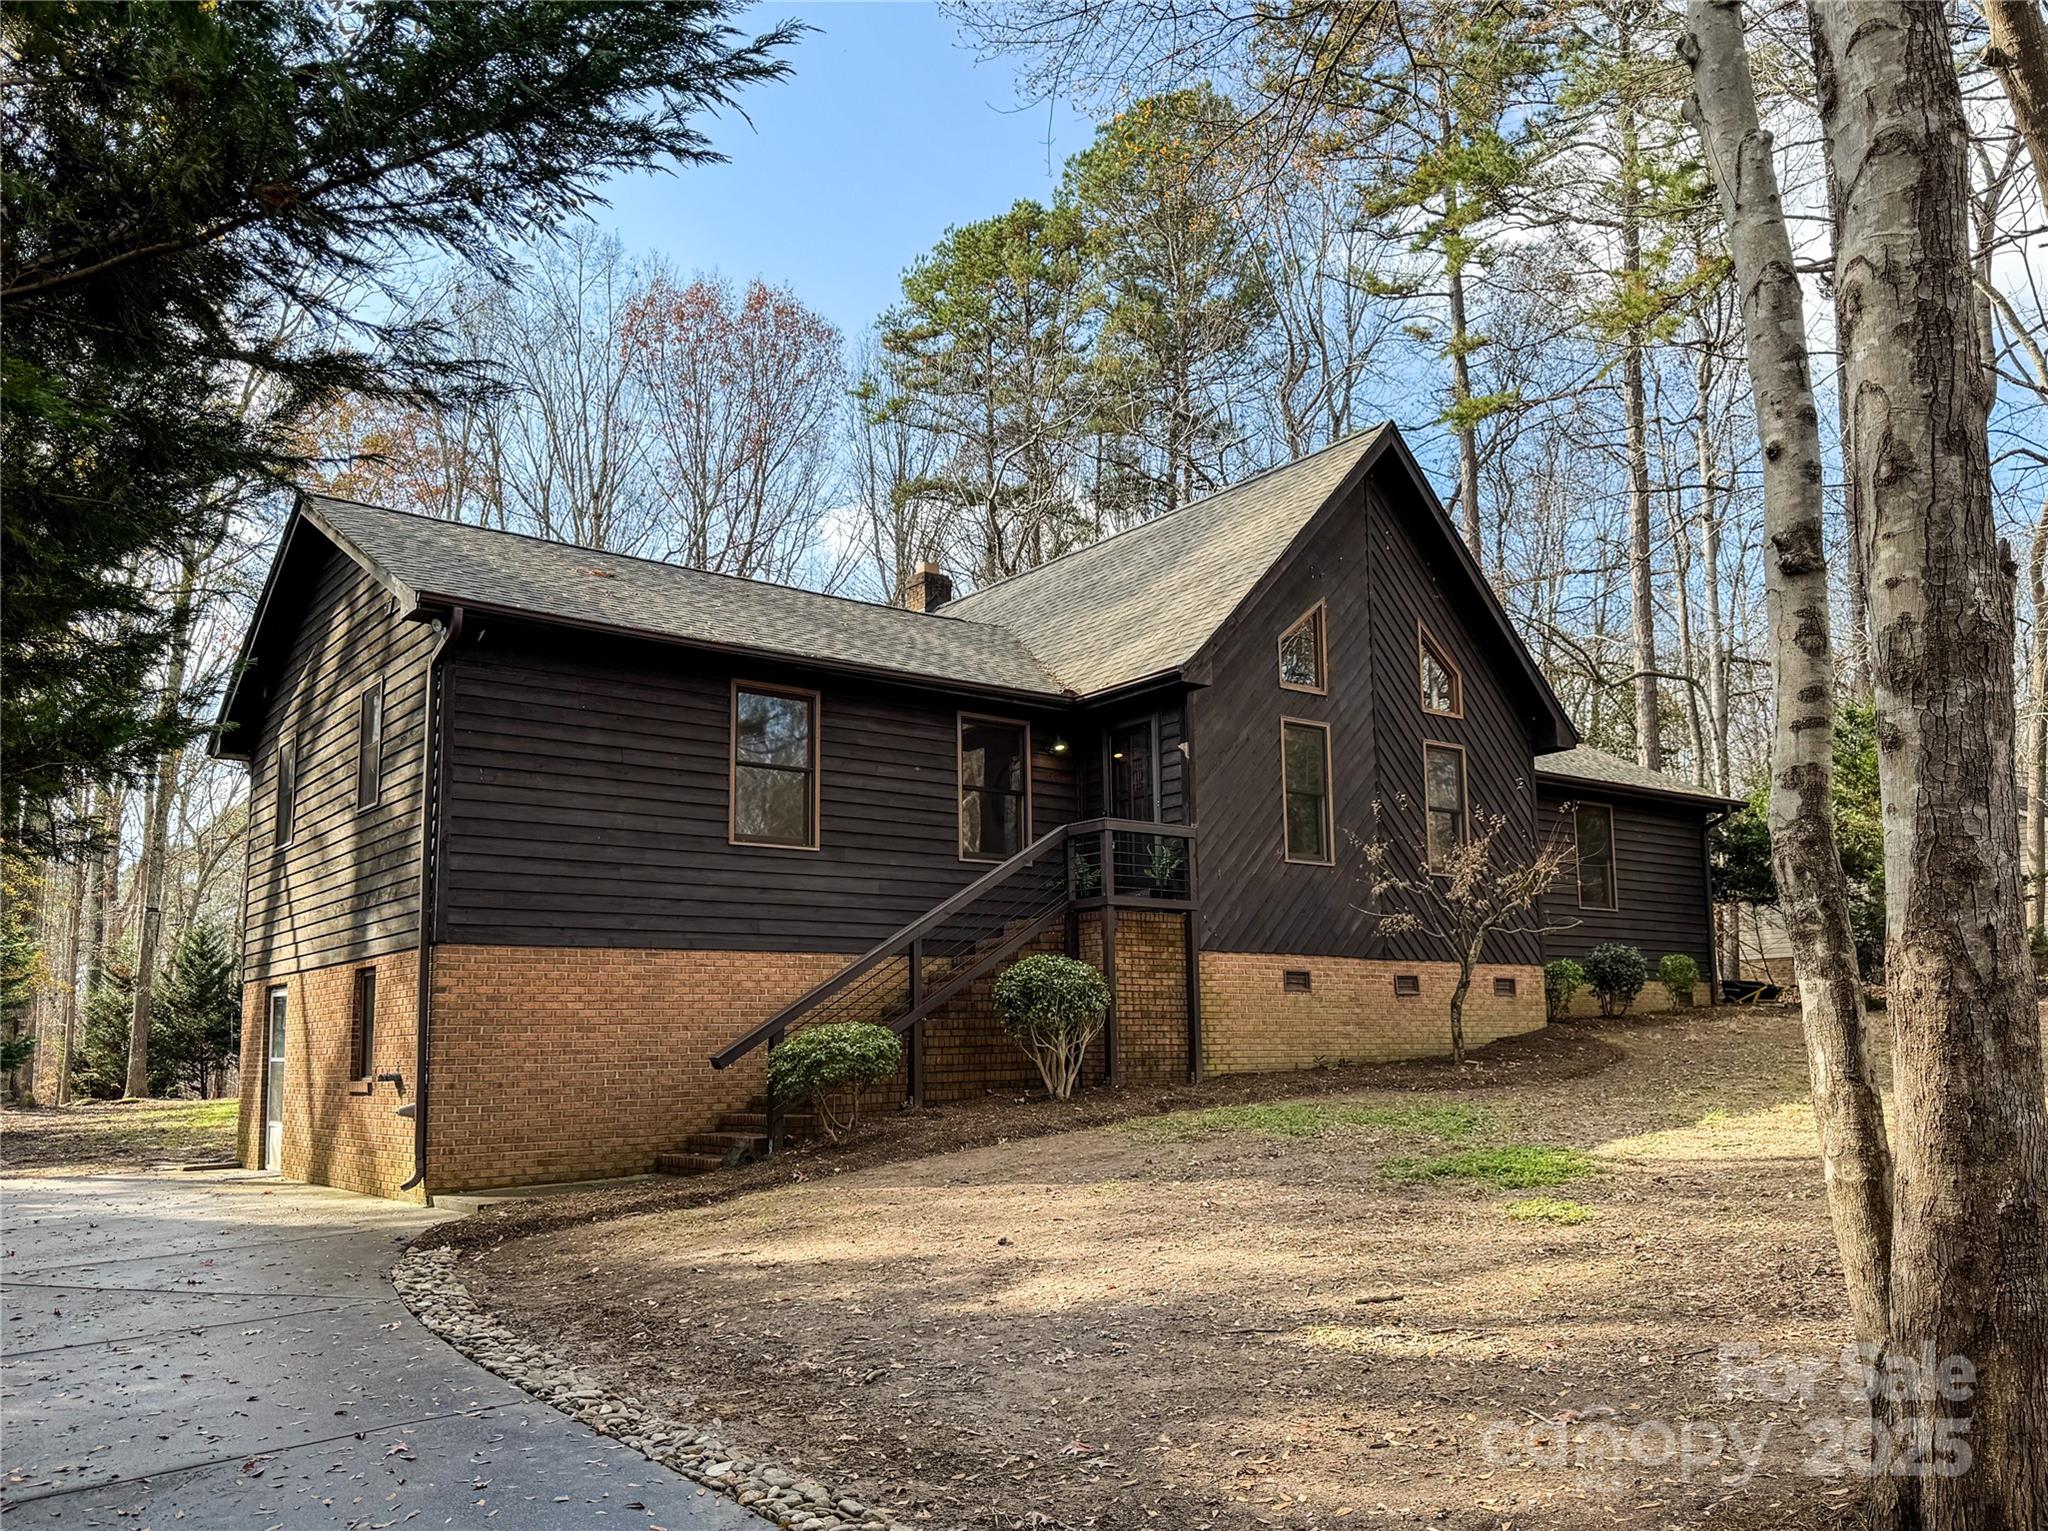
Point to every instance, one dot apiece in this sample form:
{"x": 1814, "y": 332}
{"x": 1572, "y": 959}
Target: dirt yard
{"x": 1422, "y": 1300}
{"x": 107, "y": 1135}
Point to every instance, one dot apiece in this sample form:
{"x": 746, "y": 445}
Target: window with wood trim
{"x": 1504, "y": 988}
{"x": 995, "y": 787}
{"x": 1594, "y": 830}
{"x": 285, "y": 790}
{"x": 774, "y": 767}
{"x": 369, "y": 747}
{"x": 1297, "y": 981}
{"x": 1443, "y": 686}
{"x": 1443, "y": 792}
{"x": 1407, "y": 985}
{"x": 1305, "y": 655}
{"x": 362, "y": 1034}
{"x": 1305, "y": 788}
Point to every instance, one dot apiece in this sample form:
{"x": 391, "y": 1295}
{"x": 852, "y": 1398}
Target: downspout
{"x": 432, "y": 744}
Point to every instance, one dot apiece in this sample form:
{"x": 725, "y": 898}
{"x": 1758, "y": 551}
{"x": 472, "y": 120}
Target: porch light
{"x": 1059, "y": 745}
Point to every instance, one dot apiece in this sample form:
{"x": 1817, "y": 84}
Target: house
{"x": 548, "y": 845}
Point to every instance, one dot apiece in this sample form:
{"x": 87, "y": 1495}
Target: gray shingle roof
{"x": 1585, "y": 764}
{"x": 474, "y": 565}
{"x": 1145, "y": 600}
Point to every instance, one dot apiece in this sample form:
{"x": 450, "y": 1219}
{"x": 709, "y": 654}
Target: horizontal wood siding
{"x": 346, "y": 888}
{"x": 1660, "y": 881}
{"x": 588, "y": 801}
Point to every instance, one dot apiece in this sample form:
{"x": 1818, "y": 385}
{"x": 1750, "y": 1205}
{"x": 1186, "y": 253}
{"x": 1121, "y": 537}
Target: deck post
{"x": 916, "y": 1072}
{"x": 1112, "y": 1050}
{"x": 775, "y": 1107}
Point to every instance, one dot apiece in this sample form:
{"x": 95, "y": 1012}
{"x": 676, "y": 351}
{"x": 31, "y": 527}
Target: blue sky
{"x": 887, "y": 133}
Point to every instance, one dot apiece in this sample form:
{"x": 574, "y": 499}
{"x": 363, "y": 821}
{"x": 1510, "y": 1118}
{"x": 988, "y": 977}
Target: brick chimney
{"x": 930, "y": 588}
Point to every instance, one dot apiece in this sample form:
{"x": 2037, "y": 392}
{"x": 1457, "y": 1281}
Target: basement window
{"x": 1295, "y": 981}
{"x": 1504, "y": 987}
{"x": 1407, "y": 985}
{"x": 362, "y": 1031}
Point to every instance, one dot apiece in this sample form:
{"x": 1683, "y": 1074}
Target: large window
{"x": 1305, "y": 782}
{"x": 369, "y": 747}
{"x": 363, "y": 1024}
{"x": 1304, "y": 654}
{"x": 1133, "y": 771}
{"x": 1443, "y": 689}
{"x": 1443, "y": 782}
{"x": 287, "y": 792}
{"x": 775, "y": 767}
{"x": 1595, "y": 829}
{"x": 995, "y": 788}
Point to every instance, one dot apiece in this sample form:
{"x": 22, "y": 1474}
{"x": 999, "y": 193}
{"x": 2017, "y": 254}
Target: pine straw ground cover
{"x": 102, "y": 1136}
{"x": 1441, "y": 1303}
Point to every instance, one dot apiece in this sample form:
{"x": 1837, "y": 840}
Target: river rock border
{"x": 426, "y": 1281}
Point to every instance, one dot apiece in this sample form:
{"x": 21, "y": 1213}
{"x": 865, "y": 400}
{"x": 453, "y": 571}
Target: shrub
{"x": 1052, "y": 1007}
{"x": 825, "y": 1067}
{"x": 1616, "y": 973}
{"x": 1680, "y": 974}
{"x": 1562, "y": 978}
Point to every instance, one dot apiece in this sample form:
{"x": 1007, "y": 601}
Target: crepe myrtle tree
{"x": 1488, "y": 885}
{"x": 1053, "y": 1007}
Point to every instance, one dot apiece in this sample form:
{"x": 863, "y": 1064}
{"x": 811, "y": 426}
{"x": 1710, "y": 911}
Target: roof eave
{"x": 1706, "y": 802}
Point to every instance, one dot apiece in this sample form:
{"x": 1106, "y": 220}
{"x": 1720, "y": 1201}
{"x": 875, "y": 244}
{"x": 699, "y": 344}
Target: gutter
{"x": 431, "y": 756}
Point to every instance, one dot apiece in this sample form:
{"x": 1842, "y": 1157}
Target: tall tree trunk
{"x": 2017, "y": 52}
{"x": 1467, "y": 428}
{"x": 1856, "y": 652}
{"x": 1855, "y": 1157}
{"x": 1710, "y": 579}
{"x": 155, "y": 835}
{"x": 1970, "y": 1240}
{"x": 57, "y": 1091}
{"x": 2037, "y": 735}
{"x": 1642, "y": 604}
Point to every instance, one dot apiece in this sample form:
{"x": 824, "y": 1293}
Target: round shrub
{"x": 1616, "y": 973}
{"x": 825, "y": 1067}
{"x": 1052, "y": 1007}
{"x": 1562, "y": 978}
{"x": 1680, "y": 974}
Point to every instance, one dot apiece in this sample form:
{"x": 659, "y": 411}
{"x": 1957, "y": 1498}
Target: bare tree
{"x": 1855, "y": 1156}
{"x": 1970, "y": 1240}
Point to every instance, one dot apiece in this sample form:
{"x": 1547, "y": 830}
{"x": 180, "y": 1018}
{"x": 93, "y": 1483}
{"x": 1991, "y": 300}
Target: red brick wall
{"x": 1351, "y": 1014}
{"x": 337, "y": 1130}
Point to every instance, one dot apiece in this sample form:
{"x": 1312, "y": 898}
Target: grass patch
{"x": 1549, "y": 1209}
{"x": 1519, "y": 1167}
{"x": 110, "y": 1133}
{"x": 1303, "y": 1119}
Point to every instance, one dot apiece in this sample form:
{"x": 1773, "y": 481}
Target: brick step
{"x": 687, "y": 1164}
{"x": 795, "y": 1124}
{"x": 725, "y": 1143}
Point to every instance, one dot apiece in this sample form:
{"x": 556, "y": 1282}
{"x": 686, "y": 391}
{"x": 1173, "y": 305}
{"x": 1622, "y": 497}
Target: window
{"x": 1295, "y": 981}
{"x": 287, "y": 789}
{"x": 1132, "y": 768}
{"x": 1443, "y": 780}
{"x": 1305, "y": 782}
{"x": 1504, "y": 988}
{"x": 363, "y": 1024}
{"x": 1407, "y": 985}
{"x": 1595, "y": 833}
{"x": 1443, "y": 688}
{"x": 369, "y": 747}
{"x": 1304, "y": 655}
{"x": 775, "y": 767}
{"x": 995, "y": 788}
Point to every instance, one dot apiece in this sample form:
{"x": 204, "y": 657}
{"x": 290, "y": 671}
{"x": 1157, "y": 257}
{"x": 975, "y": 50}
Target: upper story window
{"x": 1304, "y": 654}
{"x": 1443, "y": 688}
{"x": 369, "y": 747}
{"x": 287, "y": 793}
{"x": 995, "y": 787}
{"x": 774, "y": 767}
{"x": 1595, "y": 832}
{"x": 1305, "y": 787}
{"x": 1443, "y": 784}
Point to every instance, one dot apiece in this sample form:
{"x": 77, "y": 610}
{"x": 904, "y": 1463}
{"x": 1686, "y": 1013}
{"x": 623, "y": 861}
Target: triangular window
{"x": 1443, "y": 689}
{"x": 1304, "y": 655}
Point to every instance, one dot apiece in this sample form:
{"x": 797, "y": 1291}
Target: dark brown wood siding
{"x": 346, "y": 887}
{"x": 587, "y": 803}
{"x": 1364, "y": 561}
{"x": 1660, "y": 875}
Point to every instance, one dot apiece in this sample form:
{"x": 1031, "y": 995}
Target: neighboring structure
{"x": 540, "y": 834}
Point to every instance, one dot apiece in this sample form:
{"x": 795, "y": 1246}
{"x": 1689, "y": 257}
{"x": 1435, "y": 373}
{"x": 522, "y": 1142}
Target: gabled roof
{"x": 1587, "y": 767}
{"x": 430, "y": 562}
{"x": 1142, "y": 602}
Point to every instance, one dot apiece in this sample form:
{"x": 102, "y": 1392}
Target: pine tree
{"x": 199, "y": 1008}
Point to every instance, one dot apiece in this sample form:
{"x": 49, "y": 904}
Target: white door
{"x": 273, "y": 1086}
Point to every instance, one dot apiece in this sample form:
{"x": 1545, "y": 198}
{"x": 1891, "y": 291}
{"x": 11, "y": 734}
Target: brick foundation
{"x": 338, "y": 1130}
{"x": 1351, "y": 1014}
{"x": 1653, "y": 999}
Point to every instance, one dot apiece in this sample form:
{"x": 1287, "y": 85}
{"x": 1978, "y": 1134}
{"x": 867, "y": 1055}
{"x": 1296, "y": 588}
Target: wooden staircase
{"x": 740, "y": 1137}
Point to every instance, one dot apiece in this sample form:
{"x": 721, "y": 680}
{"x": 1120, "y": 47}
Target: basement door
{"x": 273, "y": 1086}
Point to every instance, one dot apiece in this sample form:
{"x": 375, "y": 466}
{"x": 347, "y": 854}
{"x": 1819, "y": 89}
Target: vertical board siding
{"x": 1660, "y": 879}
{"x": 347, "y": 886}
{"x": 588, "y": 794}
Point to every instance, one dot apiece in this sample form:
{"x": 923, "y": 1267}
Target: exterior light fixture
{"x": 1059, "y": 745}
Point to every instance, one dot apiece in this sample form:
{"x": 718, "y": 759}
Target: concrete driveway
{"x": 226, "y": 1350}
